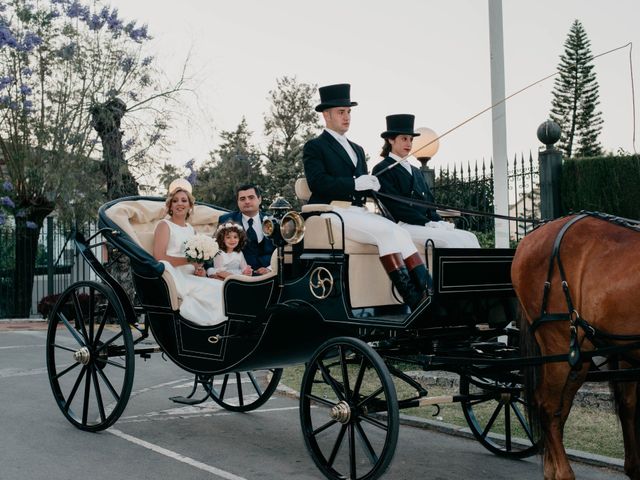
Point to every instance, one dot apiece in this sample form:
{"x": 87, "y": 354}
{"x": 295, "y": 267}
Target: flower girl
{"x": 231, "y": 238}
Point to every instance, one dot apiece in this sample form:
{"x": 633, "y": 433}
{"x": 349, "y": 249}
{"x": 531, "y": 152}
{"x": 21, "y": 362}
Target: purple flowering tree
{"x": 63, "y": 64}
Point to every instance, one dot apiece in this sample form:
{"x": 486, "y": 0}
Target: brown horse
{"x": 601, "y": 260}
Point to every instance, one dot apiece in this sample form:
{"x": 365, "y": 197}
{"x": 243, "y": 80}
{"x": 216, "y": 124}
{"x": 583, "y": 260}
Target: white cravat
{"x": 342, "y": 140}
{"x": 405, "y": 163}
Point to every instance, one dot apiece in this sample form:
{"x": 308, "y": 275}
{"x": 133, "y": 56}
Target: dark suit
{"x": 330, "y": 171}
{"x": 398, "y": 181}
{"x": 256, "y": 255}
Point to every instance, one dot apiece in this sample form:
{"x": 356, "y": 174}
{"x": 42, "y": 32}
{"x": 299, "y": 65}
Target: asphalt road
{"x": 157, "y": 439}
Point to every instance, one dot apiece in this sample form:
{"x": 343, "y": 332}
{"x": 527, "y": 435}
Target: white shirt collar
{"x": 342, "y": 140}
{"x": 404, "y": 162}
{"x": 337, "y": 136}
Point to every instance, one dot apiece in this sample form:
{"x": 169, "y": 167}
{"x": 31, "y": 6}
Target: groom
{"x": 258, "y": 249}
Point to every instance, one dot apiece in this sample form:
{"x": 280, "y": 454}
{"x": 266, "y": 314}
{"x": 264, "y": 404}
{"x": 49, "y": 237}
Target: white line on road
{"x": 175, "y": 456}
{"x": 21, "y": 346}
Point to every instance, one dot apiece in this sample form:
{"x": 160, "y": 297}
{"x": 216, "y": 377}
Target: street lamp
{"x": 425, "y": 147}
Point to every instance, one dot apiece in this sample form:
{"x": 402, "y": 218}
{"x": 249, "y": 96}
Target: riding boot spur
{"x": 399, "y": 275}
{"x": 419, "y": 273}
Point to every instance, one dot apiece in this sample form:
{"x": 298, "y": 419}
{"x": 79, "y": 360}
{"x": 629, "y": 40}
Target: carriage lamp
{"x": 426, "y": 146}
{"x": 289, "y": 229}
{"x": 280, "y": 206}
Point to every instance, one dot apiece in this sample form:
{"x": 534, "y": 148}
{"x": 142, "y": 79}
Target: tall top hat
{"x": 400, "y": 124}
{"x": 338, "y": 95}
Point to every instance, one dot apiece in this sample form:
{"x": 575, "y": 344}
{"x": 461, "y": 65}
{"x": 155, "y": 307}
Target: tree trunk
{"x": 26, "y": 252}
{"x": 106, "y": 118}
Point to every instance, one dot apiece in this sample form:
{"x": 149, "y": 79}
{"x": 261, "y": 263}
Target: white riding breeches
{"x": 363, "y": 226}
{"x": 442, "y": 234}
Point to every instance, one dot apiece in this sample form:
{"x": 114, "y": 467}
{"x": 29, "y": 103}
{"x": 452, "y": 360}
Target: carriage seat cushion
{"x": 138, "y": 219}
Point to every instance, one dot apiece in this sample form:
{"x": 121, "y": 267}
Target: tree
{"x": 60, "y": 62}
{"x": 235, "y": 162}
{"x": 575, "y": 97}
{"x": 290, "y": 122}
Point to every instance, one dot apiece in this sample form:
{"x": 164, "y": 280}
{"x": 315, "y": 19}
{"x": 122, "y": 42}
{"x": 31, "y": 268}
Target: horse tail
{"x": 529, "y": 348}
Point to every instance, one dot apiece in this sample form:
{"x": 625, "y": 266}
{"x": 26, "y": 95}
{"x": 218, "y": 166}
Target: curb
{"x": 464, "y": 432}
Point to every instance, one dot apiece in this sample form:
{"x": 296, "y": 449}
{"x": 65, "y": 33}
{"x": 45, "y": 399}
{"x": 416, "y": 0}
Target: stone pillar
{"x": 550, "y": 170}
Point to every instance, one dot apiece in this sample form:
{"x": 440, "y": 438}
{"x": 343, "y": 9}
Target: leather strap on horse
{"x": 595, "y": 336}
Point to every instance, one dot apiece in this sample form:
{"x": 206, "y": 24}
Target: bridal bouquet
{"x": 200, "y": 248}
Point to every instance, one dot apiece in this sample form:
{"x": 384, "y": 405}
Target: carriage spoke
{"x": 373, "y": 458}
{"x": 507, "y": 426}
{"x": 324, "y": 427}
{"x": 352, "y": 452}
{"x": 116, "y": 364}
{"x": 71, "y": 329}
{"x": 92, "y": 314}
{"x": 336, "y": 445}
{"x": 321, "y": 400}
{"x": 330, "y": 380}
{"x": 109, "y": 385}
{"x": 359, "y": 378}
{"x": 74, "y": 389}
{"x": 255, "y": 383}
{"x": 79, "y": 317}
{"x": 66, "y": 370}
{"x": 223, "y": 389}
{"x": 103, "y": 322}
{"x": 368, "y": 398}
{"x": 492, "y": 419}
{"x": 345, "y": 372}
{"x": 109, "y": 342}
{"x": 239, "y": 387}
{"x": 523, "y": 422}
{"x": 374, "y": 422}
{"x": 96, "y": 388}
{"x": 87, "y": 391}
{"x": 62, "y": 347}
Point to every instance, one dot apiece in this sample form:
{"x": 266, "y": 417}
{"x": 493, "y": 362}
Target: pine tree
{"x": 575, "y": 97}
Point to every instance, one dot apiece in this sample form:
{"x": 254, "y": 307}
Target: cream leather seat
{"x": 138, "y": 219}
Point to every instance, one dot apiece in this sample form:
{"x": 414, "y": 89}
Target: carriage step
{"x": 186, "y": 400}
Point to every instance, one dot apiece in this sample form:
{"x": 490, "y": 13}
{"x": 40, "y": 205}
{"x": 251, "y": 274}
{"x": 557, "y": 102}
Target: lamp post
{"x": 425, "y": 147}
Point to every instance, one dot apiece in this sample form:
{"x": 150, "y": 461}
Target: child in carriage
{"x": 229, "y": 260}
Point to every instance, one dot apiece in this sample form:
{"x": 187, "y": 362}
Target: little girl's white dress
{"x": 233, "y": 262}
{"x": 201, "y": 296}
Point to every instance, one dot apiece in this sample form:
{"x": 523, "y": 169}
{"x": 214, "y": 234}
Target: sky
{"x": 426, "y": 57}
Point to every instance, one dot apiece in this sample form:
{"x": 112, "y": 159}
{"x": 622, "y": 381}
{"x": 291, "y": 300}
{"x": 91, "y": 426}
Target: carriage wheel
{"x": 349, "y": 410}
{"x": 244, "y": 391}
{"x": 90, "y": 357}
{"x": 497, "y": 415}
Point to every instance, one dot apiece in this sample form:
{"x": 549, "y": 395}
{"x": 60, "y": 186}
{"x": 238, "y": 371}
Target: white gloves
{"x": 367, "y": 182}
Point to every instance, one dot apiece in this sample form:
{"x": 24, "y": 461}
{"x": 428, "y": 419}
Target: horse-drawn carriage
{"x": 327, "y": 304}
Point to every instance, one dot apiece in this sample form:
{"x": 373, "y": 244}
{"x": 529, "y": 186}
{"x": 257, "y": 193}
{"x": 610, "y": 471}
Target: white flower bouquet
{"x": 200, "y": 248}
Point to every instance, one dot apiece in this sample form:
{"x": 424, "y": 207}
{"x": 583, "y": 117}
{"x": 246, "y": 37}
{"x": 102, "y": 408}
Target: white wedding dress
{"x": 201, "y": 296}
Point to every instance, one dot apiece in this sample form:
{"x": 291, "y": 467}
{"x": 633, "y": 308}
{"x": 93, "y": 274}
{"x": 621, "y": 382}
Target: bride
{"x": 201, "y": 296}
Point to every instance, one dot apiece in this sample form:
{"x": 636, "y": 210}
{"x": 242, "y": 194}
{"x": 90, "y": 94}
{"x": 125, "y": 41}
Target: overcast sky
{"x": 426, "y": 57}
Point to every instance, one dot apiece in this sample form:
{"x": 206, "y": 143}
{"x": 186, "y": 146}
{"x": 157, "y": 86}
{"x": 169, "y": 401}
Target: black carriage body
{"x": 282, "y": 319}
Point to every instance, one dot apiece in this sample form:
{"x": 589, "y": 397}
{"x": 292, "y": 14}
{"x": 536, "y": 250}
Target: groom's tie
{"x": 251, "y": 233}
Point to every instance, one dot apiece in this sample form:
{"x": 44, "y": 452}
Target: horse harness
{"x": 596, "y": 336}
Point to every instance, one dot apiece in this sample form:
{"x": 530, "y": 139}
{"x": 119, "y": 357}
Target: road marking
{"x": 17, "y": 372}
{"x": 211, "y": 412}
{"x": 176, "y": 456}
{"x": 22, "y": 346}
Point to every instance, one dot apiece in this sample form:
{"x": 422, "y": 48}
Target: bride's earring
{"x": 171, "y": 213}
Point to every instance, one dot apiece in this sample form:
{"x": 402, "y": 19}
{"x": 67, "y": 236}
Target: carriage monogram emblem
{"x": 321, "y": 282}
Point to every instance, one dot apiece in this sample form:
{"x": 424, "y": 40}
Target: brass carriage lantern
{"x": 425, "y": 147}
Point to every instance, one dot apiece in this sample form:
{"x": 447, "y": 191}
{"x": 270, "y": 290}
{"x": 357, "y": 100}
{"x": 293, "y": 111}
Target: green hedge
{"x": 604, "y": 184}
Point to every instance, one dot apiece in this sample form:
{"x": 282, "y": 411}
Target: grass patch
{"x": 588, "y": 429}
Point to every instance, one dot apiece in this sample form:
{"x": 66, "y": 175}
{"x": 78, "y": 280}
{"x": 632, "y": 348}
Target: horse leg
{"x": 554, "y": 398}
{"x": 626, "y": 397}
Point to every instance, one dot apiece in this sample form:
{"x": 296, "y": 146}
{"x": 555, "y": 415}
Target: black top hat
{"x": 401, "y": 124}
{"x": 335, "y": 96}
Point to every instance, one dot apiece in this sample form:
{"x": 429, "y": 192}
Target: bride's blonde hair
{"x": 167, "y": 204}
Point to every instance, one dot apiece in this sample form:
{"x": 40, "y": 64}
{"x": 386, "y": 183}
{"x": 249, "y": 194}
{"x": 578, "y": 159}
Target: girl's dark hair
{"x": 231, "y": 227}
{"x": 386, "y": 148}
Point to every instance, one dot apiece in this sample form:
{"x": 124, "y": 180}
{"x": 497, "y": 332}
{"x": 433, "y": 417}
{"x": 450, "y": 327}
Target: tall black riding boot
{"x": 419, "y": 273}
{"x": 399, "y": 275}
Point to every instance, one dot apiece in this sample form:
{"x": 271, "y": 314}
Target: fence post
{"x": 50, "y": 266}
{"x": 550, "y": 165}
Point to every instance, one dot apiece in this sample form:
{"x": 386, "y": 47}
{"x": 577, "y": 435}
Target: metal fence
{"x": 471, "y": 187}
{"x": 56, "y": 264}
